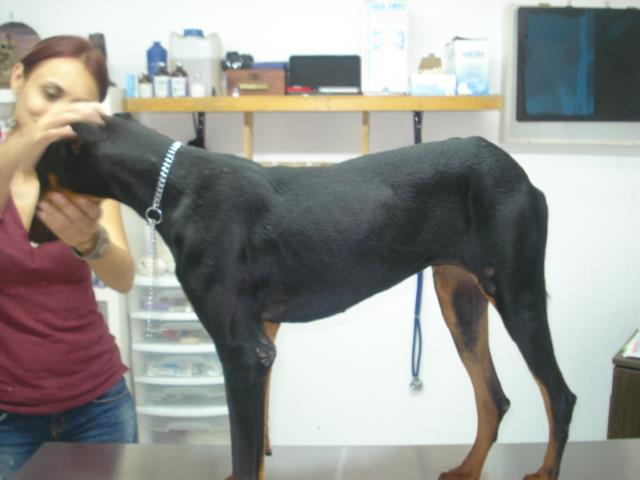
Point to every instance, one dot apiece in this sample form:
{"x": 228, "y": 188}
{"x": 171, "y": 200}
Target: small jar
{"x": 179, "y": 84}
{"x": 145, "y": 88}
{"x": 162, "y": 82}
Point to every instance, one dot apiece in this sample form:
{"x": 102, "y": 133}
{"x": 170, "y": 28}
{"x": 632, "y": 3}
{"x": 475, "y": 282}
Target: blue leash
{"x": 416, "y": 346}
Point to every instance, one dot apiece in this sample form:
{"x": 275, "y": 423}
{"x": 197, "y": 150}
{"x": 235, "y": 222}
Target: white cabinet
{"x": 177, "y": 376}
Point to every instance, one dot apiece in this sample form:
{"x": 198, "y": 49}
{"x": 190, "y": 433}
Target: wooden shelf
{"x": 365, "y": 104}
{"x": 314, "y": 103}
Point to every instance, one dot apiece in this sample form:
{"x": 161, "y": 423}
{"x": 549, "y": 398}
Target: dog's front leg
{"x": 247, "y": 362}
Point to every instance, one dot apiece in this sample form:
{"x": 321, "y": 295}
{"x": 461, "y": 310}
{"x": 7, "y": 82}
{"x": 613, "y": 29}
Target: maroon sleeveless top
{"x": 56, "y": 351}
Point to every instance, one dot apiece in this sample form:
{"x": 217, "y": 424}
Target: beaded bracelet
{"x": 99, "y": 248}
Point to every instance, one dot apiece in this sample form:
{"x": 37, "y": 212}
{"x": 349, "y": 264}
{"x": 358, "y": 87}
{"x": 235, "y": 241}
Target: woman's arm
{"x": 116, "y": 268}
{"x": 8, "y": 166}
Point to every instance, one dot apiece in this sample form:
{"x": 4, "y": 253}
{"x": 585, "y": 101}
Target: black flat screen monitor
{"x": 578, "y": 64}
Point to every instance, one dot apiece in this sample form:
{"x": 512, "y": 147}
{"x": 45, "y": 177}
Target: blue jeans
{"x": 109, "y": 418}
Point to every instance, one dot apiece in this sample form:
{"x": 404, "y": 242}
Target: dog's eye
{"x": 72, "y": 148}
{"x": 76, "y": 146}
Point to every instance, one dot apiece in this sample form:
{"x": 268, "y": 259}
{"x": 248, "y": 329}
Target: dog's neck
{"x": 134, "y": 183}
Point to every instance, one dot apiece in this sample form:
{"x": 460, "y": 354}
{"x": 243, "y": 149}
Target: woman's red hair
{"x": 71, "y": 47}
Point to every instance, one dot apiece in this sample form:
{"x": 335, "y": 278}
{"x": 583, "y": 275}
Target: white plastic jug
{"x": 198, "y": 55}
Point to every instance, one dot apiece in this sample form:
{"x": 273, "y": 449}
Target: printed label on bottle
{"x": 161, "y": 86}
{"x": 178, "y": 86}
{"x": 145, "y": 90}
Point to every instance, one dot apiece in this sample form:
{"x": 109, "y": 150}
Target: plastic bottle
{"x": 156, "y": 54}
{"x": 131, "y": 85}
{"x": 162, "y": 81}
{"x": 196, "y": 87}
{"x": 199, "y": 54}
{"x": 179, "y": 81}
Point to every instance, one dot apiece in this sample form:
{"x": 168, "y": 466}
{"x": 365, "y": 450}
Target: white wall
{"x": 345, "y": 380}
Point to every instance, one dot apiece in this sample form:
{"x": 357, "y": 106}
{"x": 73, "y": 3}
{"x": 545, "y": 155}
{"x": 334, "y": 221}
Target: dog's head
{"x": 74, "y": 166}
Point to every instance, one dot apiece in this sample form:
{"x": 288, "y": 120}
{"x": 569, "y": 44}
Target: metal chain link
{"x": 153, "y": 281}
{"x": 153, "y": 215}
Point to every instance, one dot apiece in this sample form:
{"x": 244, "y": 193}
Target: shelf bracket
{"x": 364, "y": 134}
{"x": 417, "y": 127}
{"x": 198, "y": 126}
{"x": 247, "y": 135}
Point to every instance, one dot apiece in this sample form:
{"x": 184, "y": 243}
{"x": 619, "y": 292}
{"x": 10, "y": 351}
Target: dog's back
{"x": 370, "y": 222}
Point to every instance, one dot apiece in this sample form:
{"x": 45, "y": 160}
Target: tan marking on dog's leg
{"x": 465, "y": 310}
{"x": 271, "y": 330}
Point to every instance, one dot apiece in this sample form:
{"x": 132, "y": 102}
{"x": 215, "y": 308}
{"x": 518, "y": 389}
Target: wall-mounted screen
{"x": 578, "y": 64}
{"x": 571, "y": 75}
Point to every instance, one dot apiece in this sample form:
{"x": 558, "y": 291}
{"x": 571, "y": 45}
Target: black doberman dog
{"x": 255, "y": 247}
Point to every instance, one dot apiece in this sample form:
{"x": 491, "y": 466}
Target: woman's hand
{"x": 28, "y": 142}
{"x": 74, "y": 219}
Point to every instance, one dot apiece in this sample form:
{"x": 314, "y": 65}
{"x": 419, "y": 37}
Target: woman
{"x": 61, "y": 377}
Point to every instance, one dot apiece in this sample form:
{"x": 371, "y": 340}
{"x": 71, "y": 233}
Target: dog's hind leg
{"x": 465, "y": 310}
{"x": 521, "y": 299}
{"x": 271, "y": 329}
{"x": 525, "y": 316}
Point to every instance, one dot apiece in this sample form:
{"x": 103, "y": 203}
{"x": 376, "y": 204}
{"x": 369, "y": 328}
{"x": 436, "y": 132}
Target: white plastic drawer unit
{"x": 176, "y": 361}
{"x": 178, "y": 379}
{"x": 180, "y": 392}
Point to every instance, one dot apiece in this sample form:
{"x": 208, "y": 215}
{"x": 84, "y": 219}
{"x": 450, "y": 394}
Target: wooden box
{"x": 255, "y": 82}
{"x": 624, "y": 407}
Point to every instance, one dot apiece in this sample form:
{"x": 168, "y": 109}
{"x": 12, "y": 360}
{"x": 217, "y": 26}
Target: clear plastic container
{"x": 180, "y": 395}
{"x": 180, "y": 423}
{"x": 167, "y": 298}
{"x": 198, "y": 54}
{"x": 175, "y": 362}
{"x": 191, "y": 425}
{"x": 169, "y": 328}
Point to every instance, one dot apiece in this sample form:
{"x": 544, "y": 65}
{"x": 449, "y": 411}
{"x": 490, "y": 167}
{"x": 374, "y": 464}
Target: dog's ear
{"x": 89, "y": 132}
{"x": 38, "y": 231}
